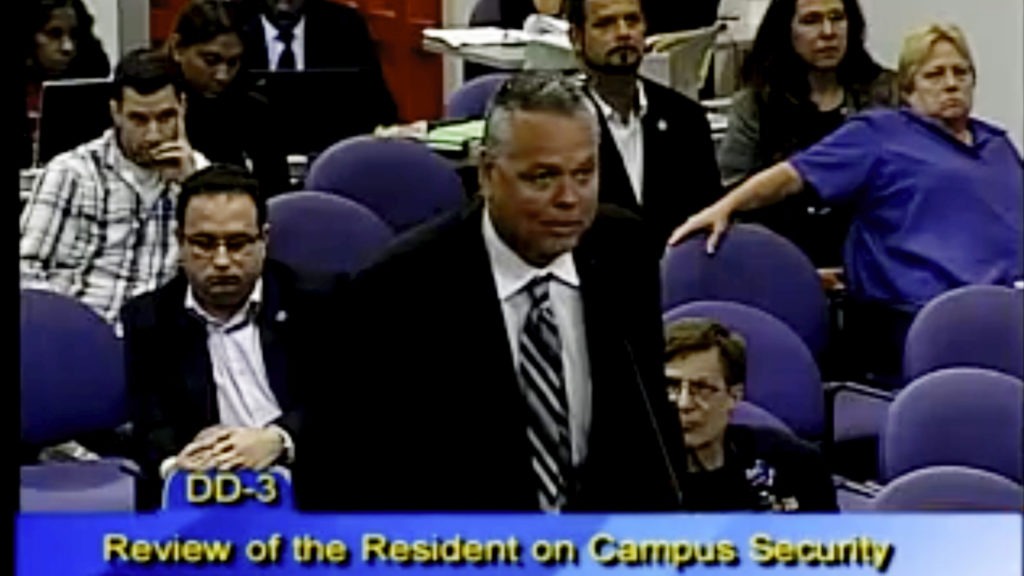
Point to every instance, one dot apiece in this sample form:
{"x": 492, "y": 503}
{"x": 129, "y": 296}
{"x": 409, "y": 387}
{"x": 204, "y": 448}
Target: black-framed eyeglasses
{"x": 236, "y": 245}
{"x": 697, "y": 389}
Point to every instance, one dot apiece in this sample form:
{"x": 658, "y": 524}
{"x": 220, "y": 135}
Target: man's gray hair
{"x": 536, "y": 91}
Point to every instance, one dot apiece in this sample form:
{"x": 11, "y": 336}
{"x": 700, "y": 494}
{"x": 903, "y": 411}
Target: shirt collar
{"x": 610, "y": 114}
{"x": 981, "y": 132}
{"x": 512, "y": 273}
{"x": 245, "y": 314}
{"x": 271, "y": 31}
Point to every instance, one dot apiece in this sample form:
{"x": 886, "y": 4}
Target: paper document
{"x": 718, "y": 122}
{"x": 479, "y": 36}
{"x": 456, "y": 134}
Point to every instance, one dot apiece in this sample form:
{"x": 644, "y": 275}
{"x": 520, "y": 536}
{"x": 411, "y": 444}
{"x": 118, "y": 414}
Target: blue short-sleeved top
{"x": 931, "y": 213}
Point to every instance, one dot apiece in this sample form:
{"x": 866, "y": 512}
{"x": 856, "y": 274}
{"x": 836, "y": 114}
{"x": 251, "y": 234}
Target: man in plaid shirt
{"x": 98, "y": 224}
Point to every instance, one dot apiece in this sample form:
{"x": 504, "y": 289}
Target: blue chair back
{"x": 747, "y": 414}
{"x": 950, "y": 489}
{"x": 472, "y": 98}
{"x": 320, "y": 234}
{"x": 981, "y": 326}
{"x": 403, "y": 182}
{"x": 782, "y": 376}
{"x": 72, "y": 370}
{"x": 751, "y": 266}
{"x": 956, "y": 416}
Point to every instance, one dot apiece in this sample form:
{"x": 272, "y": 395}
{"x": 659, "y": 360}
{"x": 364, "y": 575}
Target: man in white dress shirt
{"x": 507, "y": 356}
{"x": 318, "y": 35}
{"x": 216, "y": 358}
{"x": 657, "y": 156}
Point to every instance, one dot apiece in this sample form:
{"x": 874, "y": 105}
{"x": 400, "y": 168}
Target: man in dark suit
{"x": 215, "y": 358}
{"x": 657, "y": 156}
{"x": 316, "y": 35}
{"x": 508, "y": 355}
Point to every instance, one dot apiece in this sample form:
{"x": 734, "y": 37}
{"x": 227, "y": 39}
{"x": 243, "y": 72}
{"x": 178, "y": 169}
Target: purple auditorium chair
{"x": 72, "y": 383}
{"x": 752, "y": 266}
{"x": 403, "y": 182}
{"x": 981, "y": 326}
{"x": 322, "y": 235}
{"x": 472, "y": 98}
{"x": 782, "y": 376}
{"x": 959, "y": 417}
{"x": 950, "y": 489}
{"x": 748, "y": 414}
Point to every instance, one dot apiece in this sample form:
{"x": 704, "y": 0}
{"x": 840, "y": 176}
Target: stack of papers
{"x": 455, "y": 137}
{"x": 479, "y": 36}
{"x": 718, "y": 122}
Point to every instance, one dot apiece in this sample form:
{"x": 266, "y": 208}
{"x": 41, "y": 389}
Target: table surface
{"x": 500, "y": 56}
{"x": 511, "y": 56}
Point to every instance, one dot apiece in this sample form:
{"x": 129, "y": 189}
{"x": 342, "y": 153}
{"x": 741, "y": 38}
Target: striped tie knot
{"x": 539, "y": 289}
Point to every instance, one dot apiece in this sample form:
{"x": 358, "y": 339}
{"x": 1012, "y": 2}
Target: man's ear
{"x": 484, "y": 173}
{"x": 576, "y": 38}
{"x": 179, "y": 234}
{"x": 172, "y": 47}
{"x": 115, "y": 108}
{"x": 736, "y": 392}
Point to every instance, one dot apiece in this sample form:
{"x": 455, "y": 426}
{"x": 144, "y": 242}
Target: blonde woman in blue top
{"x": 936, "y": 196}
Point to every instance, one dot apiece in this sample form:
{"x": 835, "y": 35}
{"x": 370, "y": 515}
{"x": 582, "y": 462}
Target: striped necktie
{"x": 543, "y": 382}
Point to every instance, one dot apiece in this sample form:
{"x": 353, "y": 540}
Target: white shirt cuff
{"x": 286, "y": 440}
{"x": 167, "y": 466}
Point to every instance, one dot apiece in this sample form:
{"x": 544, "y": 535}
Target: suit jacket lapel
{"x": 483, "y": 295}
{"x": 599, "y": 323}
{"x": 256, "y": 45}
{"x": 271, "y": 320}
{"x": 655, "y": 129}
{"x": 615, "y": 186}
{"x": 318, "y": 29}
{"x": 496, "y": 381}
{"x": 198, "y": 369}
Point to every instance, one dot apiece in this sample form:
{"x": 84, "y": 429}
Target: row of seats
{"x": 758, "y": 283}
{"x": 968, "y": 417}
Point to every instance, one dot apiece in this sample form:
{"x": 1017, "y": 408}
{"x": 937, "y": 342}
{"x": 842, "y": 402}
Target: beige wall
{"x": 995, "y": 32}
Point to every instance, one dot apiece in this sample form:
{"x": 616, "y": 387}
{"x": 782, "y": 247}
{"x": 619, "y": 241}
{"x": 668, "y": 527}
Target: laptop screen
{"x": 72, "y": 112}
{"x": 316, "y": 108}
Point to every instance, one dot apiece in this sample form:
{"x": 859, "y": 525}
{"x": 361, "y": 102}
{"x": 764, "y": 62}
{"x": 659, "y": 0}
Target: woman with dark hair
{"x": 224, "y": 120}
{"x": 806, "y": 73}
{"x": 58, "y": 43}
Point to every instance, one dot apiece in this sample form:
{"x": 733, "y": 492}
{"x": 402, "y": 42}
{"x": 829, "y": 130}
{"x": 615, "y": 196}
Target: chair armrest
{"x": 834, "y": 388}
{"x": 867, "y": 489}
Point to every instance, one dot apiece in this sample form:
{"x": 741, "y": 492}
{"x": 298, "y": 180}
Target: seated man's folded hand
{"x": 197, "y": 454}
{"x": 247, "y": 448}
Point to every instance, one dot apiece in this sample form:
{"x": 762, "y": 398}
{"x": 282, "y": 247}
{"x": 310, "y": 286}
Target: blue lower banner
{"x": 279, "y": 541}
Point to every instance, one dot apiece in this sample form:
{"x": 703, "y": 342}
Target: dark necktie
{"x": 543, "y": 381}
{"x": 286, "y": 61}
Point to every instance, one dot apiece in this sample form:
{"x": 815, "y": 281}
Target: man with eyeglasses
{"x": 732, "y": 467}
{"x": 217, "y": 357}
{"x": 506, "y": 356}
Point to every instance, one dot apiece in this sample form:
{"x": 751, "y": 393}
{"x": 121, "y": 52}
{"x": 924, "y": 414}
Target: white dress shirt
{"x": 244, "y": 397}
{"x": 628, "y": 134}
{"x": 511, "y": 276}
{"x": 275, "y": 47}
